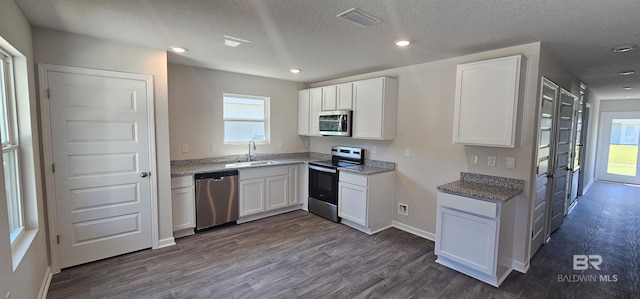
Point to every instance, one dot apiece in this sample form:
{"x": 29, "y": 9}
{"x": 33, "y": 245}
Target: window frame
{"x": 266, "y": 120}
{"x": 17, "y": 222}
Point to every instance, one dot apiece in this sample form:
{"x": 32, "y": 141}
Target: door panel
{"x": 100, "y": 138}
{"x": 549, "y": 93}
{"x": 563, "y": 158}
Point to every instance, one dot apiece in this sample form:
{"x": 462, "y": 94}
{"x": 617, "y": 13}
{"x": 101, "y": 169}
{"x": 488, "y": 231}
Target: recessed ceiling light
{"x": 623, "y": 48}
{"x": 178, "y": 49}
{"x": 626, "y": 73}
{"x": 295, "y": 71}
{"x": 628, "y": 88}
{"x": 402, "y": 42}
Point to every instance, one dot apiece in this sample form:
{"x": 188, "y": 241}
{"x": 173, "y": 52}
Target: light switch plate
{"x": 511, "y": 162}
{"x": 214, "y": 147}
{"x": 407, "y": 152}
{"x": 374, "y": 149}
{"x": 491, "y": 161}
{"x": 474, "y": 159}
{"x": 185, "y": 148}
{"x": 306, "y": 144}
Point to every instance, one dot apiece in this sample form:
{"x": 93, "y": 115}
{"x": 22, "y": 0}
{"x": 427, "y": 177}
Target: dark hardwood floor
{"x": 299, "y": 255}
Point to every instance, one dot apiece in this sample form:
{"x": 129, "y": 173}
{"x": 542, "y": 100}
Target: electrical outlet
{"x": 491, "y": 161}
{"x": 511, "y": 163}
{"x": 403, "y": 209}
{"x": 374, "y": 149}
{"x": 280, "y": 144}
{"x": 214, "y": 147}
{"x": 407, "y": 152}
{"x": 474, "y": 159}
{"x": 306, "y": 144}
{"x": 185, "y": 148}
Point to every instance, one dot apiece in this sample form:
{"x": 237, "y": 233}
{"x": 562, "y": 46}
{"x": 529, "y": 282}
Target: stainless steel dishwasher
{"x": 216, "y": 198}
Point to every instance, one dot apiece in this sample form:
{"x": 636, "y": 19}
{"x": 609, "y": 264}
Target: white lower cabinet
{"x": 475, "y": 237}
{"x": 183, "y": 206}
{"x": 365, "y": 202}
{"x": 267, "y": 191}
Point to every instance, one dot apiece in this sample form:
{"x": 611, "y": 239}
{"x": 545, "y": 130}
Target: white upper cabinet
{"x": 329, "y": 94}
{"x": 304, "y": 106}
{"x": 374, "y": 108}
{"x": 337, "y": 97}
{"x": 344, "y": 96}
{"x": 487, "y": 97}
{"x": 309, "y": 106}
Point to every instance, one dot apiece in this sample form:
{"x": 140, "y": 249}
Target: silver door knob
{"x": 144, "y": 174}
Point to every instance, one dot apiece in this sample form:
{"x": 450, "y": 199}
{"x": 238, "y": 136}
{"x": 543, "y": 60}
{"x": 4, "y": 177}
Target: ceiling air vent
{"x": 359, "y": 17}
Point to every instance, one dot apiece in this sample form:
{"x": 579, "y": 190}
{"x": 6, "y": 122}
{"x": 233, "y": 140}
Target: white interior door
{"x": 102, "y": 158}
{"x": 618, "y": 154}
{"x": 548, "y": 100}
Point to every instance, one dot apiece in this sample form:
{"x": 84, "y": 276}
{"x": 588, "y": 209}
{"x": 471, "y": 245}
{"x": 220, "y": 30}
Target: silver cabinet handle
{"x": 144, "y": 174}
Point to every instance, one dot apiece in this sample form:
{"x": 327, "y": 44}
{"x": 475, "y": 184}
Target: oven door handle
{"x": 323, "y": 169}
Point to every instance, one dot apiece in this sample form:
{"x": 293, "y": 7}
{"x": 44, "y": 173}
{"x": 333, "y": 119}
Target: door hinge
{"x": 53, "y": 167}
{"x": 58, "y": 238}
{"x": 48, "y": 93}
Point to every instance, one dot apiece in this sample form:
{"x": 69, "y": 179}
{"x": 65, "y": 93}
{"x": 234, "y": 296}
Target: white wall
{"x": 28, "y": 277}
{"x": 195, "y": 112}
{"x": 54, "y": 47}
{"x": 425, "y": 125}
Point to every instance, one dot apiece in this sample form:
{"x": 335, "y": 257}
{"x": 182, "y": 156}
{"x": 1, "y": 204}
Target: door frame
{"x": 603, "y": 151}
{"x": 47, "y": 150}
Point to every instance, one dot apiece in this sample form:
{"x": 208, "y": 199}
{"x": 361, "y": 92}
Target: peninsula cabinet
{"x": 475, "y": 236}
{"x": 374, "y": 108}
{"x": 487, "y": 98}
{"x": 183, "y": 206}
{"x": 365, "y": 202}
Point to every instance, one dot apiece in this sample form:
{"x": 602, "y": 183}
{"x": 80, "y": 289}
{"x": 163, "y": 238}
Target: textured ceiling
{"x": 306, "y": 34}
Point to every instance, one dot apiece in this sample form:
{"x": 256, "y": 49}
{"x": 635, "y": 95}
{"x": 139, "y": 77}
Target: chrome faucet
{"x": 254, "y": 148}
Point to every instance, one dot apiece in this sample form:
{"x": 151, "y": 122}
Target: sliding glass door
{"x": 620, "y": 137}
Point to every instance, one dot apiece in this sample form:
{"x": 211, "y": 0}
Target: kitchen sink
{"x": 252, "y": 163}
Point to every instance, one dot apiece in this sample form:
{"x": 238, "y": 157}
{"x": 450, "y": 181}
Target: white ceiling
{"x": 306, "y": 34}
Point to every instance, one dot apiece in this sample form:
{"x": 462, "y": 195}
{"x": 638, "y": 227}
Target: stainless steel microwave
{"x": 335, "y": 123}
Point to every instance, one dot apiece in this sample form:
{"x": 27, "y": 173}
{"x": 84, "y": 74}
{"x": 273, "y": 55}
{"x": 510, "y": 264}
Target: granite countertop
{"x": 484, "y": 187}
{"x": 190, "y": 167}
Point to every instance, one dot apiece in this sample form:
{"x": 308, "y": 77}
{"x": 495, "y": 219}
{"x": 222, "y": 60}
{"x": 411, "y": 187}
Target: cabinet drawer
{"x": 262, "y": 172}
{"x": 469, "y": 205}
{"x": 181, "y": 181}
{"x": 359, "y": 180}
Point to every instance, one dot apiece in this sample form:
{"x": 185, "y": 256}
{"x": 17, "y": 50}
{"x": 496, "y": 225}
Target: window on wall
{"x": 246, "y": 118}
{"x": 10, "y": 147}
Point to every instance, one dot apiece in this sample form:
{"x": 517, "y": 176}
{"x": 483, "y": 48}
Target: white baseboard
{"x": 416, "y": 231}
{"x": 166, "y": 242}
{"x": 46, "y": 282}
{"x": 586, "y": 187}
{"x": 520, "y": 267}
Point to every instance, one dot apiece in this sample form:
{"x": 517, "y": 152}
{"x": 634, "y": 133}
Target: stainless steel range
{"x": 323, "y": 180}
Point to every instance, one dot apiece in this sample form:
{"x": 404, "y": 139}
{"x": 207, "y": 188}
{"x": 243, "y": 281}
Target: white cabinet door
{"x": 353, "y": 203}
{"x": 183, "y": 208}
{"x": 303, "y": 112}
{"x": 344, "y": 96}
{"x": 294, "y": 187}
{"x": 374, "y": 109}
{"x": 277, "y": 188}
{"x": 486, "y": 102}
{"x": 467, "y": 239}
{"x": 252, "y": 197}
{"x": 329, "y": 94}
{"x": 315, "y": 100}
